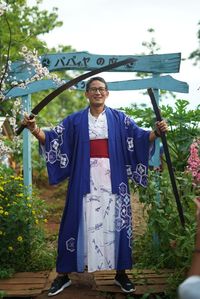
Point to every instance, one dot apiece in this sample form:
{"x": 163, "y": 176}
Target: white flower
{"x": 12, "y": 121}
{"x": 14, "y": 83}
{"x": 17, "y": 102}
{"x": 3, "y": 8}
{"x": 22, "y": 85}
{"x": 24, "y": 49}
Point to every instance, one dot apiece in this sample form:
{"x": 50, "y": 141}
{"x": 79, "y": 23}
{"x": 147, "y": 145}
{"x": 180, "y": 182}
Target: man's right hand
{"x": 29, "y": 123}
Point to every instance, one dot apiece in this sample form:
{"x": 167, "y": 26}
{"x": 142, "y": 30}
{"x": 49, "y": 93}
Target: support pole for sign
{"x": 157, "y": 162}
{"x": 27, "y": 169}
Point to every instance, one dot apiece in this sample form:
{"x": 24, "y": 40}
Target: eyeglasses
{"x": 95, "y": 89}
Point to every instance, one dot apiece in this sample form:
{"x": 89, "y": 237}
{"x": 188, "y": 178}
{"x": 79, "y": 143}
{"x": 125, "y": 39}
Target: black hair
{"x": 94, "y": 79}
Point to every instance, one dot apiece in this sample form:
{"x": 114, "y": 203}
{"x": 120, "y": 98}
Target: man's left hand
{"x": 161, "y": 126}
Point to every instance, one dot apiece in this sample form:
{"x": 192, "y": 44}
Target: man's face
{"x": 97, "y": 93}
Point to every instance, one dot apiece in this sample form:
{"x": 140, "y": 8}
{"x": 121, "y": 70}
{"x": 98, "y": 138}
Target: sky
{"x": 119, "y": 27}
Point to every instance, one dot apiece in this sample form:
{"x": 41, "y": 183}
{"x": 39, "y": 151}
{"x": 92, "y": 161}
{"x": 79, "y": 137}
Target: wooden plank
{"x": 158, "y": 271}
{"x": 24, "y": 284}
{"x": 9, "y": 287}
{"x": 135, "y": 277}
{"x": 109, "y": 274}
{"x": 161, "y": 82}
{"x": 149, "y": 277}
{"x": 32, "y": 274}
{"x": 136, "y": 281}
{"x": 23, "y": 280}
{"x": 155, "y": 63}
{"x": 158, "y": 63}
{"x": 129, "y": 272}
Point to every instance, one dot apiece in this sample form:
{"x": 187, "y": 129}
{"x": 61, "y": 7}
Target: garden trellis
{"x": 155, "y": 65}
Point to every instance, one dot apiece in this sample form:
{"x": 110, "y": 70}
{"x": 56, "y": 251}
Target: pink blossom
{"x": 194, "y": 160}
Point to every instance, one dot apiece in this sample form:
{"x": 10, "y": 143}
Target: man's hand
{"x": 161, "y": 126}
{"x": 29, "y": 123}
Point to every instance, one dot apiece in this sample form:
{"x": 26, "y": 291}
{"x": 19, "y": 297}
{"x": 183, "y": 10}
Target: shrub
{"x": 22, "y": 237}
{"x": 165, "y": 243}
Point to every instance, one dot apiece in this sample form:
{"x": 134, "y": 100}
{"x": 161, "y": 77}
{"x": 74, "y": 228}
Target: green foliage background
{"x": 184, "y": 126}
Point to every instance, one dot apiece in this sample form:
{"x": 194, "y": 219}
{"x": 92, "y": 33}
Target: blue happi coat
{"x": 67, "y": 153}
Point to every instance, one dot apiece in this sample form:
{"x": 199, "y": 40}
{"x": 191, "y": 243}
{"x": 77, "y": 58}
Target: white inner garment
{"x": 99, "y": 206}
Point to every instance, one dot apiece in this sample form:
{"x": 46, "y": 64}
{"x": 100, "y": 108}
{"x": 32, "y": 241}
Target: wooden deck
{"x": 30, "y": 284}
{"x": 146, "y": 281}
{"x": 25, "y": 284}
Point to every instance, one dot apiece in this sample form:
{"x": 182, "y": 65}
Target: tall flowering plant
{"x": 23, "y": 245}
{"x": 194, "y": 163}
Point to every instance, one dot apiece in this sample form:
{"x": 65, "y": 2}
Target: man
{"x": 99, "y": 149}
{"x": 190, "y": 287}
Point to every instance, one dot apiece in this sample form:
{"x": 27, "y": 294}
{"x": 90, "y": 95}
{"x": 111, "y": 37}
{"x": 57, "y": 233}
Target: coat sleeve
{"x": 139, "y": 150}
{"x": 57, "y": 150}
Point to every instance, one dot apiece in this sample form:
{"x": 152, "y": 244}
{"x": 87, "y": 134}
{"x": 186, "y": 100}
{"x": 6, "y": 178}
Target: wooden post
{"x": 157, "y": 162}
{"x": 27, "y": 169}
